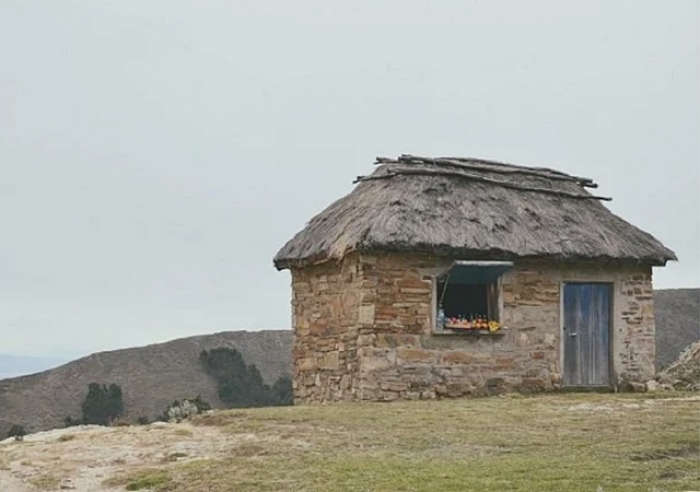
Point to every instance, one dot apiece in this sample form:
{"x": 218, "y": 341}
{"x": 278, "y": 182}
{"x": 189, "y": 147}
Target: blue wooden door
{"x": 586, "y": 333}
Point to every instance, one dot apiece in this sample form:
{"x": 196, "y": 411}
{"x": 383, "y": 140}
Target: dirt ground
{"x": 81, "y": 458}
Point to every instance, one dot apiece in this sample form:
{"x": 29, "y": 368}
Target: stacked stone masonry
{"x": 364, "y": 330}
{"x": 325, "y": 310}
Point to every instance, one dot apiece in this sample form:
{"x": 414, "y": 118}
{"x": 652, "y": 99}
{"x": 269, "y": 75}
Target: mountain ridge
{"x": 677, "y": 318}
{"x": 12, "y": 365}
{"x": 151, "y": 377}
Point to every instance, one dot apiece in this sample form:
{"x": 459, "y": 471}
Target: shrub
{"x": 202, "y": 405}
{"x": 70, "y": 421}
{"x": 178, "y": 411}
{"x": 17, "y": 431}
{"x": 102, "y": 404}
{"x": 283, "y": 392}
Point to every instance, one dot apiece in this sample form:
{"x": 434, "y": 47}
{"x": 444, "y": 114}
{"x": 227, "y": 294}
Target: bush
{"x": 102, "y": 404}
{"x": 241, "y": 385}
{"x": 283, "y": 392}
{"x": 202, "y": 405}
{"x": 17, "y": 431}
{"x": 178, "y": 411}
{"x": 70, "y": 421}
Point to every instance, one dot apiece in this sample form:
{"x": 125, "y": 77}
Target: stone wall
{"x": 389, "y": 350}
{"x": 532, "y": 306}
{"x": 635, "y": 347}
{"x": 325, "y": 310}
{"x": 400, "y": 356}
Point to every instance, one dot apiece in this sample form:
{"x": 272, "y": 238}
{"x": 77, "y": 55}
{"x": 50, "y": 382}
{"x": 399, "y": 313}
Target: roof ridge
{"x": 485, "y": 165}
{"x": 474, "y": 177}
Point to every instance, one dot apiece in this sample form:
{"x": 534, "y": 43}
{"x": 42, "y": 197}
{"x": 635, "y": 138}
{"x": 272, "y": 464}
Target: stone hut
{"x": 443, "y": 277}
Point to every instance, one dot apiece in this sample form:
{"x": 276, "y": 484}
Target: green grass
{"x": 151, "y": 479}
{"x": 558, "y": 443}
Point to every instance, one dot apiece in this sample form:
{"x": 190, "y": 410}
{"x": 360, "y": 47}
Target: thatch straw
{"x": 473, "y": 209}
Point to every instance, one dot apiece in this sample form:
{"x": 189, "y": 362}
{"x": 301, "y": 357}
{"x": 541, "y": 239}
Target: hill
{"x": 19, "y": 365}
{"x": 677, "y": 315}
{"x": 151, "y": 377}
{"x": 542, "y": 443}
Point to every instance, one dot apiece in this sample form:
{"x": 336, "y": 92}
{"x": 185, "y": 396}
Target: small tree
{"x": 113, "y": 402}
{"x": 241, "y": 385}
{"x": 102, "y": 404}
{"x": 282, "y": 391}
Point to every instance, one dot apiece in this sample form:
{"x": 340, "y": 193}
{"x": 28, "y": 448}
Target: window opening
{"x": 468, "y": 296}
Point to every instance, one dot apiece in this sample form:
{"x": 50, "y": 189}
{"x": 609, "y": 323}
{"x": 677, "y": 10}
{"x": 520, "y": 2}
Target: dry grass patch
{"x": 689, "y": 450}
{"x": 248, "y": 449}
{"x": 47, "y": 481}
{"x": 220, "y": 419}
{"x": 174, "y": 457}
{"x": 66, "y": 437}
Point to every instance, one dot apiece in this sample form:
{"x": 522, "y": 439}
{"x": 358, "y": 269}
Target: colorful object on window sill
{"x": 480, "y": 323}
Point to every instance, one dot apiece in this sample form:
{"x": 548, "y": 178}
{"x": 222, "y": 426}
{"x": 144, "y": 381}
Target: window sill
{"x": 470, "y": 333}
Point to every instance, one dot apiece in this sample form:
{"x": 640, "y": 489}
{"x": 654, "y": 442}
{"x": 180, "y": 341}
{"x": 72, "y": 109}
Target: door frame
{"x": 612, "y": 377}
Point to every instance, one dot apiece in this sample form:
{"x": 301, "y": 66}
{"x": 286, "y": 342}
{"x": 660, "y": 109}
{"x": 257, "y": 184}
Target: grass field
{"x": 558, "y": 443}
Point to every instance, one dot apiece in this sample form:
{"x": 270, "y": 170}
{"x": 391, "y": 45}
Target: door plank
{"x": 571, "y": 325}
{"x": 602, "y": 345}
{"x": 587, "y": 334}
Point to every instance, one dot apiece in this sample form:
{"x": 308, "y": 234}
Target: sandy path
{"x": 81, "y": 458}
{"x": 12, "y": 484}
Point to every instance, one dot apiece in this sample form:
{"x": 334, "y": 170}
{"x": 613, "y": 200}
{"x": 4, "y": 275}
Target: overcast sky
{"x": 155, "y": 155}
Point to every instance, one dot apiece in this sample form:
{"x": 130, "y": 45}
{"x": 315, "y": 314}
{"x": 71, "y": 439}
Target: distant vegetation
{"x": 241, "y": 385}
{"x": 151, "y": 378}
{"x": 102, "y": 405}
{"x": 178, "y": 411}
{"x": 17, "y": 431}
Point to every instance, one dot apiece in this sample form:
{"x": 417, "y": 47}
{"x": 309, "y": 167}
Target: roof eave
{"x": 282, "y": 263}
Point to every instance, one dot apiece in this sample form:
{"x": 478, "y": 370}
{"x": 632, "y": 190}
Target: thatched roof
{"x": 471, "y": 208}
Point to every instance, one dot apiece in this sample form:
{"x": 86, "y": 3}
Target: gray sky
{"x": 155, "y": 155}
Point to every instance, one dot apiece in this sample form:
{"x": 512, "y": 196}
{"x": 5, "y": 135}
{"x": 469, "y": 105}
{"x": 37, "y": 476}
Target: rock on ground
{"x": 684, "y": 373}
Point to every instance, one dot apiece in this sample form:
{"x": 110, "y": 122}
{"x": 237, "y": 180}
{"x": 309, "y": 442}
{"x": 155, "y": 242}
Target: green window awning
{"x": 475, "y": 272}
